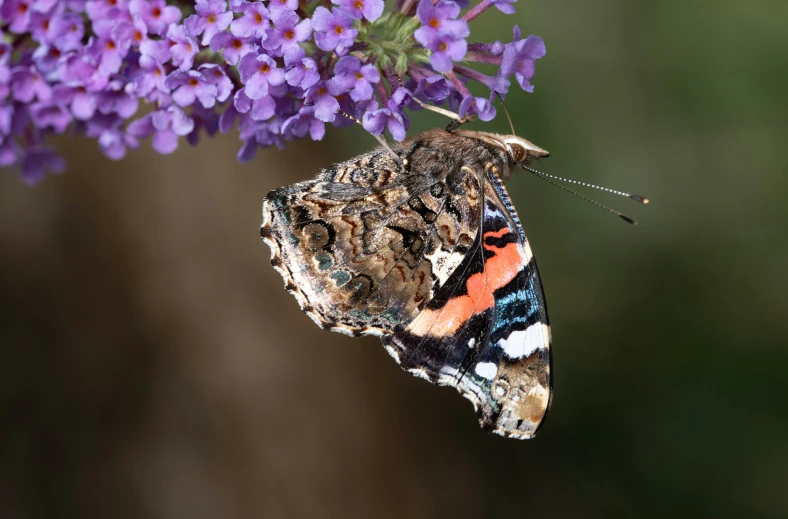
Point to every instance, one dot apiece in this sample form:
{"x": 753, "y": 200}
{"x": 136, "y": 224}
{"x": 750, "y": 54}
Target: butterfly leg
{"x": 456, "y": 119}
{"x": 409, "y": 154}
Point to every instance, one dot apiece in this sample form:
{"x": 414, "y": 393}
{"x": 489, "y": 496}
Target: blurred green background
{"x": 153, "y": 366}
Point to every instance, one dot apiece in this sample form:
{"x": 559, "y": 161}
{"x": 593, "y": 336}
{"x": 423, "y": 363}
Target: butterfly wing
{"x": 366, "y": 244}
{"x": 486, "y": 331}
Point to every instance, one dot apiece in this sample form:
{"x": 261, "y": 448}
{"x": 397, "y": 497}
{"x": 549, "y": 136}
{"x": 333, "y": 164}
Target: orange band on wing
{"x": 499, "y": 271}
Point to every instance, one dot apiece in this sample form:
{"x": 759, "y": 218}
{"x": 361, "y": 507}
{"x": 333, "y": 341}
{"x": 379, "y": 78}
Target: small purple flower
{"x": 257, "y": 73}
{"x": 118, "y": 98}
{"x": 40, "y": 23}
{"x": 446, "y": 49}
{"x": 82, "y": 103}
{"x": 275, "y": 5}
{"x": 520, "y": 57}
{"x": 478, "y": 106}
{"x": 134, "y": 32}
{"x": 182, "y": 47}
{"x": 376, "y": 121}
{"x": 351, "y": 76}
{"x": 107, "y": 49}
{"x": 158, "y": 50}
{"x": 442, "y": 34}
{"x": 369, "y": 9}
{"x": 253, "y": 23}
{"x": 39, "y": 160}
{"x": 156, "y": 14}
{"x": 50, "y": 115}
{"x": 66, "y": 31}
{"x": 258, "y": 109}
{"x": 80, "y": 70}
{"x": 112, "y": 140}
{"x": 303, "y": 74}
{"x": 333, "y": 31}
{"x": 166, "y": 125}
{"x": 47, "y": 58}
{"x": 190, "y": 86}
{"x": 102, "y": 9}
{"x": 287, "y": 33}
{"x": 27, "y": 83}
{"x": 232, "y": 47}
{"x": 323, "y": 96}
{"x": 439, "y": 19}
{"x": 16, "y": 13}
{"x": 148, "y": 80}
{"x": 305, "y": 123}
{"x": 212, "y": 17}
{"x": 216, "y": 76}
{"x": 433, "y": 88}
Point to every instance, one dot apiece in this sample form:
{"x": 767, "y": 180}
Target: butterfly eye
{"x": 516, "y": 151}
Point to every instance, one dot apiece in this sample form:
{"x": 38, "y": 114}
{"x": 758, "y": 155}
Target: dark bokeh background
{"x": 153, "y": 366}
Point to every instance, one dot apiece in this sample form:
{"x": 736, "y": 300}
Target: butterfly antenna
{"x": 636, "y": 198}
{"x": 621, "y": 215}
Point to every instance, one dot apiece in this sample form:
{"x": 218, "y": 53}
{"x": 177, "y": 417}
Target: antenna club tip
{"x": 628, "y": 219}
{"x": 641, "y": 199}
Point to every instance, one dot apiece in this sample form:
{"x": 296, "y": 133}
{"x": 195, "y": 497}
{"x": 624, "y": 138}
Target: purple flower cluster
{"x": 277, "y": 70}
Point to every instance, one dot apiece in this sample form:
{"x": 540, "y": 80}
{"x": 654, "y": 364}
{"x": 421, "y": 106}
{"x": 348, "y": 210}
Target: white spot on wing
{"x": 522, "y": 343}
{"x": 527, "y": 252}
{"x": 486, "y": 370}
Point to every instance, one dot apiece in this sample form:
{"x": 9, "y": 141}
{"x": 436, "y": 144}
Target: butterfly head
{"x": 518, "y": 151}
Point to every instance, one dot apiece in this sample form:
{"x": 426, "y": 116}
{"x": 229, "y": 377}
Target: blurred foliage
{"x": 156, "y": 367}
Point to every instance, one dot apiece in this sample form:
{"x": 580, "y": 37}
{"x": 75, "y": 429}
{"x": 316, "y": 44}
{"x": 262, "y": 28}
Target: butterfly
{"x": 420, "y": 245}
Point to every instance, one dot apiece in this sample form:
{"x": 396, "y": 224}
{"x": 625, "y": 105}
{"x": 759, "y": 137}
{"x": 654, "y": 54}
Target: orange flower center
{"x": 358, "y": 4}
{"x": 211, "y": 18}
{"x": 435, "y": 23}
{"x": 359, "y": 75}
{"x": 156, "y": 13}
{"x": 289, "y": 35}
{"x": 193, "y": 82}
{"x": 22, "y": 9}
{"x": 442, "y": 47}
{"x": 339, "y": 29}
{"x": 110, "y": 45}
{"x": 321, "y": 91}
{"x": 258, "y": 17}
{"x": 237, "y": 44}
{"x": 265, "y": 69}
